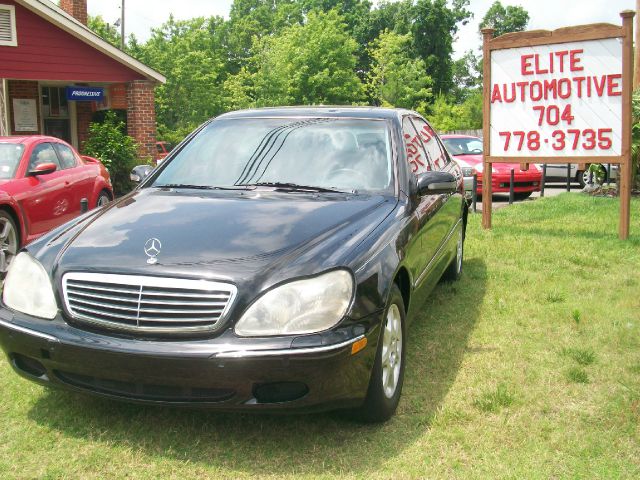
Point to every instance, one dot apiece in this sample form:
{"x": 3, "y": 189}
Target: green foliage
{"x": 306, "y": 64}
{"x": 191, "y": 55}
{"x": 434, "y": 27}
{"x": 447, "y": 117}
{"x": 116, "y": 150}
{"x": 396, "y": 79}
{"x": 635, "y": 137}
{"x": 105, "y": 30}
{"x": 467, "y": 75}
{"x": 512, "y": 18}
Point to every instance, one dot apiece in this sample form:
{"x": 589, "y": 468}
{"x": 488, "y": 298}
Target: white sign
{"x": 561, "y": 100}
{"x": 25, "y": 115}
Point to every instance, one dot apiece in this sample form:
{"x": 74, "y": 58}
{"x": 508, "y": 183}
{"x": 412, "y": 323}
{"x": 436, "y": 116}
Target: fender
{"x": 8, "y": 202}
{"x": 102, "y": 180}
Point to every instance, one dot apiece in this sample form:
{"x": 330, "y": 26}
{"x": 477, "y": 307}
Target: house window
{"x": 8, "y": 36}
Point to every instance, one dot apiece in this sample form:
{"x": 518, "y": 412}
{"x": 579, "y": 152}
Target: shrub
{"x": 116, "y": 150}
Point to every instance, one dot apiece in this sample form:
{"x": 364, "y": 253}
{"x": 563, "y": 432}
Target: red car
{"x": 467, "y": 152}
{"x": 163, "y": 149}
{"x": 43, "y": 182}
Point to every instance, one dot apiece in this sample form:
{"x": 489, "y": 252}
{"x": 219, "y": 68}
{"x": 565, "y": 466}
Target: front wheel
{"x": 385, "y": 385}
{"x": 103, "y": 199}
{"x": 9, "y": 241}
{"x": 521, "y": 195}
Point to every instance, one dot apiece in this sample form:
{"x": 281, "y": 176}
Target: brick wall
{"x": 22, "y": 89}
{"x": 141, "y": 116}
{"x": 84, "y": 114}
{"x": 75, "y": 8}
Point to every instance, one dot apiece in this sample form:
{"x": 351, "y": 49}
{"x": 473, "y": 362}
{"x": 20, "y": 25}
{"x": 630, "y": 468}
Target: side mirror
{"x": 431, "y": 183}
{"x": 140, "y": 172}
{"x": 43, "y": 169}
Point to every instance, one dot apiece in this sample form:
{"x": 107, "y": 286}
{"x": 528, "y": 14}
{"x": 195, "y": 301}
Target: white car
{"x": 558, "y": 173}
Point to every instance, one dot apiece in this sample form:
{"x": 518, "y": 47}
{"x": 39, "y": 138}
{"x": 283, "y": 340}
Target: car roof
{"x": 29, "y": 139}
{"x": 321, "y": 111}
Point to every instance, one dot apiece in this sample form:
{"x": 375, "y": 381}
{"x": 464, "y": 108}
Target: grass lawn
{"x": 528, "y": 367}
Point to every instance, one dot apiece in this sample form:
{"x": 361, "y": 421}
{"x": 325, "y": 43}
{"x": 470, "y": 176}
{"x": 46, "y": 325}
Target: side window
{"x": 431, "y": 143}
{"x": 66, "y": 155}
{"x": 42, "y": 153}
{"x": 416, "y": 155}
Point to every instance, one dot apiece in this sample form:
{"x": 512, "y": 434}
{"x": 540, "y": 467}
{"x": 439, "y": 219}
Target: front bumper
{"x": 214, "y": 373}
{"x": 524, "y": 182}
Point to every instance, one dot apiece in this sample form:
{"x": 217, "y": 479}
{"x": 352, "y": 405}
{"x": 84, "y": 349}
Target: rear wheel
{"x": 385, "y": 385}
{"x": 454, "y": 270}
{"x": 9, "y": 241}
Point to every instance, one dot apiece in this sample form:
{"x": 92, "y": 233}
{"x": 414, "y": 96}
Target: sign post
{"x": 561, "y": 96}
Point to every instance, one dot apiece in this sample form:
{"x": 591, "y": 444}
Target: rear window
{"x": 10, "y": 154}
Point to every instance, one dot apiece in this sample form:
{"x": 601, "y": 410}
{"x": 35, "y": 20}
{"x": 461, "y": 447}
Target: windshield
{"x": 327, "y": 153}
{"x": 463, "y": 146}
{"x": 10, "y": 154}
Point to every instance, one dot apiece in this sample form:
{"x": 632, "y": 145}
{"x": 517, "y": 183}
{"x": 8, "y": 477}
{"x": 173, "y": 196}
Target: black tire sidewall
{"x": 377, "y": 406}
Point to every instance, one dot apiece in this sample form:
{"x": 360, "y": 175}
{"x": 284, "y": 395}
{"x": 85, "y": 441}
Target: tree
{"x": 447, "y": 117}
{"x": 252, "y": 20}
{"x": 307, "y": 64}
{"x": 396, "y": 79}
{"x": 191, "y": 55}
{"x": 435, "y": 25}
{"x": 103, "y": 29}
{"x": 512, "y": 18}
{"x": 116, "y": 150}
{"x": 467, "y": 75}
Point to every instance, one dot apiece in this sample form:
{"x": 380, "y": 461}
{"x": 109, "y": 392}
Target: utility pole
{"x": 122, "y": 26}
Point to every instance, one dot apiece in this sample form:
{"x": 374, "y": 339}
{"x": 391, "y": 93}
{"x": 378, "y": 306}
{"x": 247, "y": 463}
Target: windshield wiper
{"x": 199, "y": 187}
{"x": 294, "y": 187}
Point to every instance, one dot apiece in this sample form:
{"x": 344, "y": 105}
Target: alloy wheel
{"x": 8, "y": 243}
{"x": 391, "y": 351}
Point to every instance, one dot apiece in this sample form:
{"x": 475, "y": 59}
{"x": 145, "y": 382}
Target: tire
{"x": 103, "y": 199}
{"x": 9, "y": 241}
{"x": 580, "y": 178}
{"x": 521, "y": 195}
{"x": 383, "y": 395}
{"x": 454, "y": 270}
{"x": 598, "y": 178}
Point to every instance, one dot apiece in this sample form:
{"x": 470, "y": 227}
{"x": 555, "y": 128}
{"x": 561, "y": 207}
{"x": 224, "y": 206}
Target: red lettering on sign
{"x": 525, "y": 64}
{"x": 613, "y": 84}
{"x": 574, "y": 60}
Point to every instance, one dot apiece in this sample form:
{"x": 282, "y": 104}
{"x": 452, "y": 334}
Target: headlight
{"x": 468, "y": 171}
{"x": 298, "y": 307}
{"x": 27, "y": 288}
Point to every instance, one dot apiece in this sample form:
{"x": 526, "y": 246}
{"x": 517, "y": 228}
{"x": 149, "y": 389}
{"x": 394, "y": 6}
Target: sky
{"x": 142, "y": 15}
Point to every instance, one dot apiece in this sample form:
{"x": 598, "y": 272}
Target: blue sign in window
{"x": 85, "y": 94}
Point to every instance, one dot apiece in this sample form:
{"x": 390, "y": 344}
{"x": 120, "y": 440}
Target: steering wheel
{"x": 476, "y": 150}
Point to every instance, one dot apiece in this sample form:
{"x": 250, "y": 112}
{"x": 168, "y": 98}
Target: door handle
{"x": 67, "y": 184}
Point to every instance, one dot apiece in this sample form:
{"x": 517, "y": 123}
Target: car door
{"x": 427, "y": 205}
{"x": 81, "y": 177}
{"x": 46, "y": 199}
{"x": 443, "y": 209}
{"x": 451, "y": 202}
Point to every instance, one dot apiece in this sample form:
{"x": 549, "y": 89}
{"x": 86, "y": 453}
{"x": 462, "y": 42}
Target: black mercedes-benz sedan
{"x": 269, "y": 263}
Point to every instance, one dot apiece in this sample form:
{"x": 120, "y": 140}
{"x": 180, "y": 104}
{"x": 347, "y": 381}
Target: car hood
{"x": 226, "y": 235}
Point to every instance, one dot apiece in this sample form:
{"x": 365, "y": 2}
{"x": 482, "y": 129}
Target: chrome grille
{"x": 146, "y": 304}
